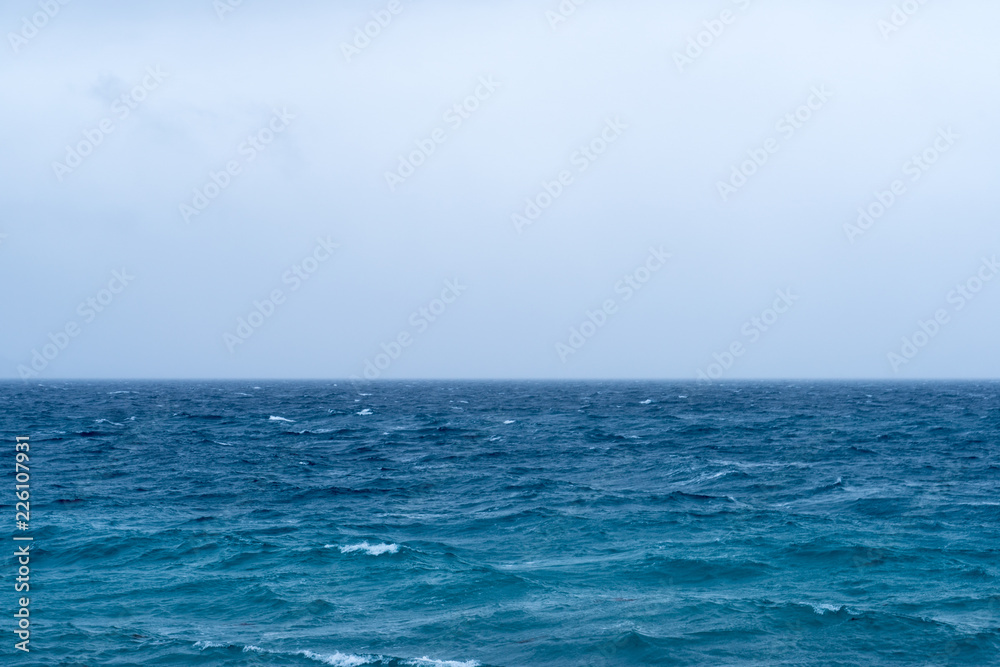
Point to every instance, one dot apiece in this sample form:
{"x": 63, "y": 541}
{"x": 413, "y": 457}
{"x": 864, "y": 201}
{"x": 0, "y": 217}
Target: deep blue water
{"x": 507, "y": 524}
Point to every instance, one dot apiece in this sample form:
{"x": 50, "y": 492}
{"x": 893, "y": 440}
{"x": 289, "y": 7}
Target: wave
{"x": 349, "y": 660}
{"x": 839, "y": 484}
{"x": 279, "y": 419}
{"x": 682, "y": 496}
{"x": 820, "y": 608}
{"x": 708, "y": 477}
{"x": 370, "y": 549}
{"x": 338, "y": 659}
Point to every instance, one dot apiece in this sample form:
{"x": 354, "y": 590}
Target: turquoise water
{"x": 504, "y": 524}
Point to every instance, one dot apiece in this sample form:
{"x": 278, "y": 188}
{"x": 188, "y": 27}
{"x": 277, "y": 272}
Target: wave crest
{"x": 370, "y": 549}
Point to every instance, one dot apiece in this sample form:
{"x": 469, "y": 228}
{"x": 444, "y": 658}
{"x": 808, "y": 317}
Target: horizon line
{"x": 500, "y": 379}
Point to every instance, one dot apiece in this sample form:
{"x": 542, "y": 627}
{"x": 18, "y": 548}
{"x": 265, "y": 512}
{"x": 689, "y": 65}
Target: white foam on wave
{"x": 822, "y": 608}
{"x": 510, "y": 421}
{"x": 365, "y": 412}
{"x": 280, "y": 419}
{"x": 339, "y": 659}
{"x": 108, "y": 421}
{"x": 370, "y": 549}
{"x": 646, "y": 402}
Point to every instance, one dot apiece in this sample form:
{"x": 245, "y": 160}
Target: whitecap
{"x": 421, "y": 662}
{"x": 339, "y": 659}
{"x": 510, "y": 421}
{"x": 370, "y": 549}
{"x": 365, "y": 412}
{"x": 646, "y": 402}
{"x": 280, "y": 419}
{"x": 821, "y": 608}
{"x": 107, "y": 421}
{"x": 112, "y": 393}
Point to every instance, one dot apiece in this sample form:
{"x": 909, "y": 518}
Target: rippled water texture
{"x": 507, "y": 524}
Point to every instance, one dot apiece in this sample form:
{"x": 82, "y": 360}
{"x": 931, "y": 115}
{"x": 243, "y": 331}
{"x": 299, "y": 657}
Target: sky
{"x": 744, "y": 189}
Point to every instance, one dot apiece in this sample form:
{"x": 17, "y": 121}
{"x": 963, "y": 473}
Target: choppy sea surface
{"x": 450, "y": 524}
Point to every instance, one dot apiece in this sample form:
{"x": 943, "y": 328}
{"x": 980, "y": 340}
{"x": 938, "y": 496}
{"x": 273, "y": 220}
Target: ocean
{"x": 455, "y": 524}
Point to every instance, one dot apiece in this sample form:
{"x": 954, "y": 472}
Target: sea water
{"x": 456, "y": 524}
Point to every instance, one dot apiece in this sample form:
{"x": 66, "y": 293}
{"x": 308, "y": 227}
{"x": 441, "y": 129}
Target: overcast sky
{"x": 697, "y": 168}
